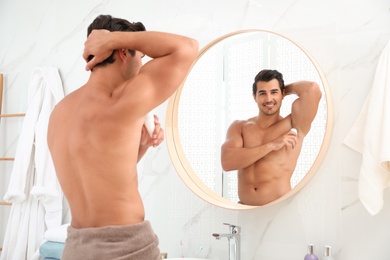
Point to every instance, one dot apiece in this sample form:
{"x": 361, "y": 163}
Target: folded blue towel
{"x": 51, "y": 249}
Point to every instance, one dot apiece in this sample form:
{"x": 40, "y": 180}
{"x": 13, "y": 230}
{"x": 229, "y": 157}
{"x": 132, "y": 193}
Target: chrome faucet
{"x": 234, "y": 241}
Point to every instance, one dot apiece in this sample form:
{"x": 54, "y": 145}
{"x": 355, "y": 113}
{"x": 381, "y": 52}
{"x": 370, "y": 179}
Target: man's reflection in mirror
{"x": 264, "y": 149}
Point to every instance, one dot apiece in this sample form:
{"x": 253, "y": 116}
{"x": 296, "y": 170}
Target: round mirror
{"x": 218, "y": 90}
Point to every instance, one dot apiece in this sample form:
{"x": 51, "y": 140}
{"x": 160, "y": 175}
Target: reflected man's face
{"x": 268, "y": 97}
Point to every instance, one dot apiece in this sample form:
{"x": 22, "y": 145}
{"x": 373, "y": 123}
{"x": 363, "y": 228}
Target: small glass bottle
{"x": 328, "y": 253}
{"x": 310, "y": 253}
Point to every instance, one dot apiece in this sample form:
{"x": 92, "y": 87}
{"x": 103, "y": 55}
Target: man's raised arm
{"x": 304, "y": 109}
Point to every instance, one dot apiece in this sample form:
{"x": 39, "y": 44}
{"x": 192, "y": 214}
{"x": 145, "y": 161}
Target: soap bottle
{"x": 310, "y": 253}
{"x": 328, "y": 253}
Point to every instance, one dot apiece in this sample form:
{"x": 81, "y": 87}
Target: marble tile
{"x": 345, "y": 39}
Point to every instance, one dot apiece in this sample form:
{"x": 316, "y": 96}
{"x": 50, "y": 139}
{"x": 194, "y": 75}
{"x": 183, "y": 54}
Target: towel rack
{"x": 12, "y": 115}
{"x": 3, "y": 203}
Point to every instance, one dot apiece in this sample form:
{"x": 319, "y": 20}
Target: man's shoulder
{"x": 244, "y": 121}
{"x": 241, "y": 124}
{"x": 238, "y": 123}
{"x": 247, "y": 122}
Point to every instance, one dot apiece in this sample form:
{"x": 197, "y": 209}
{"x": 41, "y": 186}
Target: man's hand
{"x": 157, "y": 136}
{"x": 288, "y": 140}
{"x": 97, "y": 46}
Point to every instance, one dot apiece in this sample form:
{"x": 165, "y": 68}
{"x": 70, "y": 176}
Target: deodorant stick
{"x": 149, "y": 123}
{"x": 294, "y": 130}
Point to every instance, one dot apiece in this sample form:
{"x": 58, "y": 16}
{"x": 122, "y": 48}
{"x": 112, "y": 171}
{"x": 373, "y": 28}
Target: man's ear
{"x": 123, "y": 53}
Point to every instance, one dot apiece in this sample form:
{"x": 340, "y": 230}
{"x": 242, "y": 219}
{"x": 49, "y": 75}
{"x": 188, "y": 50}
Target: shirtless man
{"x": 263, "y": 148}
{"x": 97, "y": 135}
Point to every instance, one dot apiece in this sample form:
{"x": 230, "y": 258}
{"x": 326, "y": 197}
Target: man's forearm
{"x": 300, "y": 88}
{"x": 101, "y": 44}
{"x": 239, "y": 158}
{"x": 153, "y": 44}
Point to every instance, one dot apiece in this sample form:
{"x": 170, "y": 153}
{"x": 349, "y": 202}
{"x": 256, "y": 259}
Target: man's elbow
{"x": 227, "y": 165}
{"x": 315, "y": 91}
{"x": 191, "y": 48}
{"x": 227, "y": 168}
{"x": 194, "y": 45}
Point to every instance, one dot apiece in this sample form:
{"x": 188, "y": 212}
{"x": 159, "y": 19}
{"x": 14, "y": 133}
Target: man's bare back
{"x": 96, "y": 134}
{"x": 93, "y": 149}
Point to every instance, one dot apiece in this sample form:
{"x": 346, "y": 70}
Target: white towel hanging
{"x": 370, "y": 137}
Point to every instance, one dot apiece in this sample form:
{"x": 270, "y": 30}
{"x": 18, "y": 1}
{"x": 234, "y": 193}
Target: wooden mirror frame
{"x": 183, "y": 167}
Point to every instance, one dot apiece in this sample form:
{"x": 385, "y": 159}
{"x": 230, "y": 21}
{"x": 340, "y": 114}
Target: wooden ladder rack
{"x": 3, "y": 203}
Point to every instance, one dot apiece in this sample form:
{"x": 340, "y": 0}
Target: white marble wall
{"x": 345, "y": 37}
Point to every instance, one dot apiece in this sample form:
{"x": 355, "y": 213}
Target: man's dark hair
{"x": 268, "y": 75}
{"x": 112, "y": 24}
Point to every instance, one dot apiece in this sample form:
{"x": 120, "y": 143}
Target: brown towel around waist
{"x": 137, "y": 242}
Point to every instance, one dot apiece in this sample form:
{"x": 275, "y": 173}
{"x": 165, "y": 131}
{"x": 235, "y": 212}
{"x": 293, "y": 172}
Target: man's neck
{"x": 105, "y": 79}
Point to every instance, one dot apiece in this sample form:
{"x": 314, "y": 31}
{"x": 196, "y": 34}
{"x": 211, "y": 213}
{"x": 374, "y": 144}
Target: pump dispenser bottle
{"x": 310, "y": 253}
{"x": 328, "y": 253}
